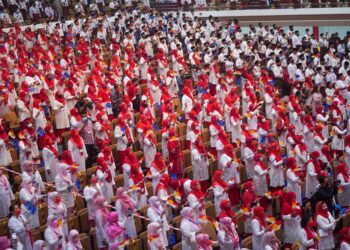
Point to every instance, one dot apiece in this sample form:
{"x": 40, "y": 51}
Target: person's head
{"x": 74, "y": 236}
{"x": 15, "y": 210}
{"x": 323, "y": 180}
{"x": 92, "y": 179}
{"x": 39, "y": 245}
{"x": 306, "y": 221}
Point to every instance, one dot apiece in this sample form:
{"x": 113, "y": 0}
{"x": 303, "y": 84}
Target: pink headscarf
{"x": 64, "y": 174}
{"x": 125, "y": 201}
{"x": 52, "y": 223}
{"x": 203, "y": 242}
{"x": 226, "y": 225}
{"x": 4, "y": 243}
{"x": 100, "y": 207}
{"x": 154, "y": 236}
{"x": 53, "y": 202}
{"x": 186, "y": 215}
{"x": 153, "y": 204}
{"x": 27, "y": 185}
{"x": 114, "y": 230}
{"x": 38, "y": 245}
{"x": 76, "y": 245}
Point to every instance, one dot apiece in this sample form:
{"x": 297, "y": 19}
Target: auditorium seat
{"x": 85, "y": 241}
{"x": 178, "y": 246}
{"x": 187, "y": 157}
{"x": 4, "y": 230}
{"x": 73, "y": 223}
{"x": 138, "y": 224}
{"x": 143, "y": 238}
{"x": 84, "y": 220}
{"x": 149, "y": 188}
{"x": 240, "y": 224}
{"x": 188, "y": 172}
{"x": 143, "y": 212}
{"x": 242, "y": 173}
{"x": 14, "y": 154}
{"x": 16, "y": 166}
{"x": 18, "y": 182}
{"x": 213, "y": 166}
{"x": 43, "y": 212}
{"x": 181, "y": 129}
{"x": 276, "y": 205}
{"x": 209, "y": 229}
{"x": 92, "y": 235}
{"x": 135, "y": 244}
{"x": 119, "y": 180}
{"x": 210, "y": 209}
{"x": 12, "y": 120}
{"x": 177, "y": 104}
{"x": 82, "y": 177}
{"x": 248, "y": 242}
{"x": 177, "y": 222}
{"x": 79, "y": 203}
{"x": 65, "y": 138}
{"x": 183, "y": 142}
{"x": 36, "y": 234}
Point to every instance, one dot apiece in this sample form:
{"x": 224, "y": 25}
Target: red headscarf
{"x": 76, "y": 139}
{"x": 259, "y": 214}
{"x": 196, "y": 191}
{"x": 226, "y": 210}
{"x": 342, "y": 169}
{"x": 104, "y": 168}
{"x": 228, "y": 150}
{"x": 320, "y": 210}
{"x": 163, "y": 184}
{"x": 287, "y": 206}
{"x": 125, "y": 201}
{"x": 344, "y": 235}
{"x": 217, "y": 181}
{"x": 313, "y": 158}
{"x": 67, "y": 157}
{"x": 223, "y": 137}
{"x": 158, "y": 163}
{"x": 200, "y": 147}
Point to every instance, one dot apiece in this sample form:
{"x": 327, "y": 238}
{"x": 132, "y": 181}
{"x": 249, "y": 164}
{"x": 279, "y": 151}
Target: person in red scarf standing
{"x": 25, "y": 147}
{"x": 5, "y": 155}
{"x": 149, "y": 147}
{"x": 248, "y": 157}
{"x": 260, "y": 178}
{"x": 249, "y": 199}
{"x": 227, "y": 211}
{"x": 137, "y": 188}
{"x": 214, "y": 129}
{"x": 61, "y": 114}
{"x": 259, "y": 227}
{"x": 106, "y": 181}
{"x": 50, "y": 155}
{"x": 187, "y": 101}
{"x": 123, "y": 134}
{"x": 221, "y": 142}
{"x": 227, "y": 235}
{"x": 294, "y": 178}
{"x": 107, "y": 155}
{"x": 291, "y": 218}
{"x": 220, "y": 188}
{"x": 313, "y": 170}
{"x": 344, "y": 185}
{"x": 200, "y": 164}
{"x": 228, "y": 164}
{"x": 275, "y": 165}
{"x": 308, "y": 237}
{"x": 196, "y": 199}
{"x": 102, "y": 128}
{"x": 77, "y": 148}
{"x": 101, "y": 218}
{"x": 176, "y": 157}
{"x": 344, "y": 238}
{"x": 163, "y": 192}
{"x": 325, "y": 226}
{"x": 157, "y": 169}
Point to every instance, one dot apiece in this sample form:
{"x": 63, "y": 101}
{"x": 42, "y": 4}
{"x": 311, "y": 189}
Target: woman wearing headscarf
{"x": 137, "y": 188}
{"x": 25, "y": 147}
{"x": 64, "y": 182}
{"x": 154, "y": 237}
{"x": 50, "y": 154}
{"x": 344, "y": 185}
{"x": 200, "y": 164}
{"x": 325, "y": 226}
{"x": 101, "y": 219}
{"x": 269, "y": 96}
{"x": 102, "y": 127}
{"x": 40, "y": 245}
{"x": 30, "y": 171}
{"x": 149, "y": 147}
{"x": 322, "y": 119}
{"x": 271, "y": 242}
{"x": 107, "y": 155}
{"x": 75, "y": 118}
{"x": 248, "y": 157}
{"x": 226, "y": 210}
{"x": 129, "y": 161}
{"x": 176, "y": 157}
{"x": 54, "y": 235}
{"x": 77, "y": 148}
{"x": 61, "y": 113}
{"x": 344, "y": 238}
{"x": 338, "y": 137}
{"x": 228, "y": 237}
{"x": 220, "y": 188}
{"x": 347, "y": 152}
{"x": 214, "y": 129}
{"x": 221, "y": 142}
{"x": 260, "y": 177}
{"x": 193, "y": 134}
{"x": 156, "y": 213}
{"x": 293, "y": 178}
{"x": 291, "y": 218}
{"x": 275, "y": 165}
{"x": 19, "y": 229}
{"x": 74, "y": 241}
{"x": 235, "y": 120}
{"x": 125, "y": 207}
{"x": 318, "y": 139}
{"x": 259, "y": 227}
{"x": 91, "y": 192}
{"x": 301, "y": 151}
{"x": 158, "y": 167}
{"x": 189, "y": 226}
{"x": 229, "y": 166}
{"x": 105, "y": 179}
{"x": 5, "y": 155}
{"x": 57, "y": 208}
{"x": 196, "y": 199}
{"x": 114, "y": 231}
{"x": 29, "y": 199}
{"x": 6, "y": 195}
{"x": 313, "y": 169}
{"x": 123, "y": 135}
{"x": 187, "y": 101}
{"x": 203, "y": 242}
{"x": 308, "y": 237}
{"x": 249, "y": 199}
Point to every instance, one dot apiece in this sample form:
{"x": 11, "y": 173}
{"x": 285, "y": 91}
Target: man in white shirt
{"x": 49, "y": 12}
{"x": 296, "y": 42}
{"x": 34, "y": 12}
{"x": 18, "y": 16}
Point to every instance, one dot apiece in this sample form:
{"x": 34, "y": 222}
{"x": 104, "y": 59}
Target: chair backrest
{"x": 178, "y": 246}
{"x": 209, "y": 229}
{"x": 187, "y": 157}
{"x": 143, "y": 238}
{"x": 73, "y": 223}
{"x": 248, "y": 242}
{"x": 4, "y": 230}
{"x": 43, "y": 212}
{"x": 85, "y": 242}
{"x": 84, "y": 220}
{"x": 119, "y": 180}
{"x": 210, "y": 209}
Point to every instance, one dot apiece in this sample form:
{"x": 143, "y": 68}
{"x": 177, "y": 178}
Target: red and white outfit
{"x": 77, "y": 148}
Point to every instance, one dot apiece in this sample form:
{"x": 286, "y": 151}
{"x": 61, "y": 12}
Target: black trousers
{"x": 92, "y": 151}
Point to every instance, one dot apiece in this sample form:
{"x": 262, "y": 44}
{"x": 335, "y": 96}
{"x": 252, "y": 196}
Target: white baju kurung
{"x": 51, "y": 163}
{"x": 5, "y": 155}
{"x": 6, "y": 196}
{"x": 258, "y": 233}
{"x": 325, "y": 227}
{"x": 79, "y": 156}
{"x": 200, "y": 165}
{"x": 311, "y": 180}
{"x": 19, "y": 234}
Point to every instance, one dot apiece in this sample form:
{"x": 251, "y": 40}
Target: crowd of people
{"x": 263, "y": 115}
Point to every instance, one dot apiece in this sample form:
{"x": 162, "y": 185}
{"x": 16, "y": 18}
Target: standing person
{"x": 105, "y": 180}
{"x": 176, "y": 157}
{"x": 325, "y": 226}
{"x": 19, "y": 227}
{"x": 77, "y": 148}
{"x": 258, "y": 227}
{"x": 189, "y": 226}
{"x": 91, "y": 192}
{"x": 308, "y": 237}
{"x": 124, "y": 138}
{"x": 74, "y": 241}
{"x": 275, "y": 165}
{"x": 293, "y": 178}
{"x": 57, "y": 208}
{"x": 6, "y": 195}
{"x": 154, "y": 239}
{"x": 291, "y": 218}
{"x": 61, "y": 113}
{"x": 149, "y": 147}
{"x": 271, "y": 242}
{"x": 40, "y": 245}
{"x": 158, "y": 168}
{"x": 64, "y": 182}
{"x": 29, "y": 200}
{"x": 50, "y": 154}
{"x": 5, "y": 155}
{"x": 138, "y": 191}
{"x": 344, "y": 185}
{"x": 228, "y": 237}
{"x": 101, "y": 220}
{"x": 200, "y": 164}
{"x": 260, "y": 177}
{"x": 114, "y": 231}
{"x": 203, "y": 242}
{"x": 220, "y": 190}
{"x": 54, "y": 234}
{"x": 125, "y": 207}
{"x": 196, "y": 199}
{"x": 86, "y": 131}
{"x": 313, "y": 170}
